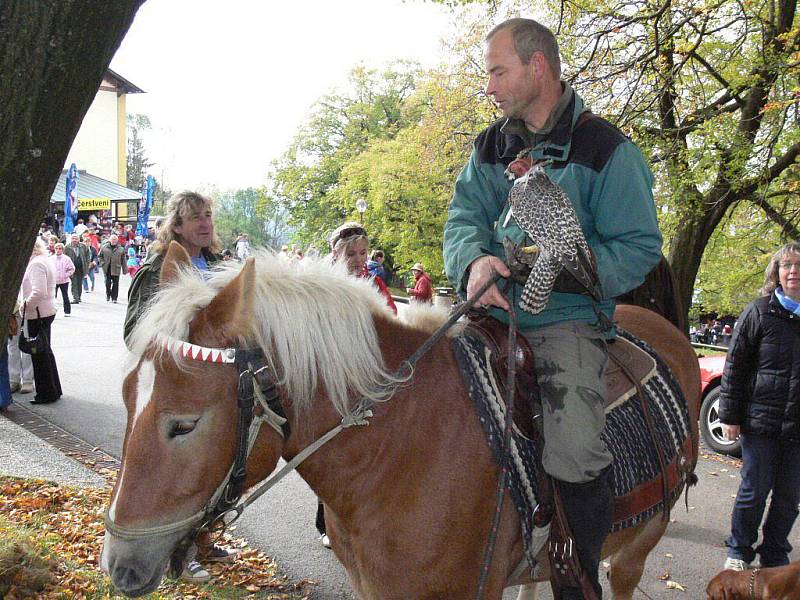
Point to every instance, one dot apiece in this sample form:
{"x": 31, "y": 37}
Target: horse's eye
{"x": 182, "y": 428}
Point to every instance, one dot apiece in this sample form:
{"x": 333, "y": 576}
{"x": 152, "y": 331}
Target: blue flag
{"x": 71, "y": 199}
{"x": 145, "y": 204}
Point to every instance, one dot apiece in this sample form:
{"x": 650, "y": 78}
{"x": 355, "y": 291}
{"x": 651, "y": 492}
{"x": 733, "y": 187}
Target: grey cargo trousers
{"x": 571, "y": 359}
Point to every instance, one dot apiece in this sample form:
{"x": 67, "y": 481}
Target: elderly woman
{"x": 65, "y": 268}
{"x": 760, "y": 403}
{"x": 350, "y": 245}
{"x": 39, "y": 309}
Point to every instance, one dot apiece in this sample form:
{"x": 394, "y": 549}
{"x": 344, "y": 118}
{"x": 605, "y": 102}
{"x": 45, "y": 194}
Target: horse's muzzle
{"x": 136, "y": 567}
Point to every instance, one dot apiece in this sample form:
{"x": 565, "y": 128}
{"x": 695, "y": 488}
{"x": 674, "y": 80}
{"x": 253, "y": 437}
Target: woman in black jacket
{"x": 760, "y": 403}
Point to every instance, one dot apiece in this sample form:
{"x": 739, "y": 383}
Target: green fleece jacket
{"x": 605, "y": 177}
{"x": 145, "y": 285}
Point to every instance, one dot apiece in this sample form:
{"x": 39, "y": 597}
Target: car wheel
{"x": 711, "y": 427}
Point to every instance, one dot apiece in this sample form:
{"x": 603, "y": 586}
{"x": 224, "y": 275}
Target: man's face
{"x": 197, "y": 228}
{"x": 512, "y": 84}
{"x": 417, "y": 274}
{"x": 113, "y": 240}
{"x": 75, "y": 241}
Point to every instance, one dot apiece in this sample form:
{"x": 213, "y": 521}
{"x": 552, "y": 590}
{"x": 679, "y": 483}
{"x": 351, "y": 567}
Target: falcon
{"x": 544, "y": 212}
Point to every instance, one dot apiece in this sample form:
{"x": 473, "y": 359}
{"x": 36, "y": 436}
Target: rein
{"x": 253, "y": 368}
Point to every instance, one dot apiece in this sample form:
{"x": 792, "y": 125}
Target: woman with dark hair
{"x": 760, "y": 403}
{"x": 39, "y": 309}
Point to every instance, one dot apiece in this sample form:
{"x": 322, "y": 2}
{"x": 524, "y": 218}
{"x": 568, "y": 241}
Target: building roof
{"x": 122, "y": 83}
{"x": 91, "y": 186}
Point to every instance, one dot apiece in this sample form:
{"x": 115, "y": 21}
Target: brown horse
{"x": 409, "y": 498}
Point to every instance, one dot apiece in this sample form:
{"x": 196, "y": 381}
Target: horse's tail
{"x": 659, "y": 294}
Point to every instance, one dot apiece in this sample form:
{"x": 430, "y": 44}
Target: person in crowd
{"x": 51, "y": 244}
{"x": 422, "y": 290}
{"x": 90, "y": 241}
{"x": 350, "y": 245}
{"x": 285, "y": 251}
{"x": 90, "y": 238}
{"x": 133, "y": 262}
{"x": 11, "y": 328}
{"x": 113, "y": 263}
{"x": 375, "y": 265}
{"x": 80, "y": 228}
{"x": 189, "y": 221}
{"x": 227, "y": 255}
{"x": 65, "y": 269}
{"x": 604, "y": 176}
{"x": 39, "y": 310}
{"x": 81, "y": 257}
{"x": 242, "y": 247}
{"x": 130, "y": 234}
{"x": 760, "y": 405}
{"x": 313, "y": 252}
{"x": 20, "y": 366}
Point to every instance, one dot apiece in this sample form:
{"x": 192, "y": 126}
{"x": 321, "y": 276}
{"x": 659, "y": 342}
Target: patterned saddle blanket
{"x": 637, "y": 481}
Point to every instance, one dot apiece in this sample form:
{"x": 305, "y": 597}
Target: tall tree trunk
{"x": 53, "y": 55}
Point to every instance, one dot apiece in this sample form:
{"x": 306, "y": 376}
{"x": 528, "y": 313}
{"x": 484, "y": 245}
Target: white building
{"x": 100, "y": 153}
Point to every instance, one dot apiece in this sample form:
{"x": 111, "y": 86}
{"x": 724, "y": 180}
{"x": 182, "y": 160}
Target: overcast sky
{"x": 229, "y": 83}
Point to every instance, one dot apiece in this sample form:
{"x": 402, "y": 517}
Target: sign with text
{"x": 94, "y": 204}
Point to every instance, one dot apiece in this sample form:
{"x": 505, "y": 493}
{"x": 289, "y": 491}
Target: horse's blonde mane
{"x": 313, "y": 322}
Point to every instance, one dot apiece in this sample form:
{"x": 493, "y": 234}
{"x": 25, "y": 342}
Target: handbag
{"x": 32, "y": 345}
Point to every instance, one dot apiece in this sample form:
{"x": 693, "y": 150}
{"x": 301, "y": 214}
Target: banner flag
{"x": 145, "y": 204}
{"x": 71, "y": 199}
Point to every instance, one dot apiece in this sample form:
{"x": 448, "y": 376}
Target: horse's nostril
{"x": 128, "y": 580}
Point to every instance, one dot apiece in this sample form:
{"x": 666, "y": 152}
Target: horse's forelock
{"x": 313, "y": 322}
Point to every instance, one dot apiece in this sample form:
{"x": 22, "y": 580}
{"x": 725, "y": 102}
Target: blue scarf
{"x": 786, "y": 302}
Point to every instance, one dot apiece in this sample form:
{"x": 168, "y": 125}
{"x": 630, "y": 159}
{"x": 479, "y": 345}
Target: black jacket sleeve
{"x": 740, "y": 367}
{"x": 143, "y": 287}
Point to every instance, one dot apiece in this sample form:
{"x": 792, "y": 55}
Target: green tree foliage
{"x": 708, "y": 89}
{"x": 306, "y": 177}
{"x": 138, "y": 163}
{"x": 398, "y": 140}
{"x": 249, "y": 211}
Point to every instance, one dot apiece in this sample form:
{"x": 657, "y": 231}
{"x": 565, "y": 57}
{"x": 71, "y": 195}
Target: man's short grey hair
{"x": 531, "y": 36}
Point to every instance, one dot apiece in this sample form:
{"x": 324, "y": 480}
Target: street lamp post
{"x": 361, "y": 207}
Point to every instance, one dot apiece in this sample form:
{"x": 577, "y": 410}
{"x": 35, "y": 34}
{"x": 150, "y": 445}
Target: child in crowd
{"x": 133, "y": 262}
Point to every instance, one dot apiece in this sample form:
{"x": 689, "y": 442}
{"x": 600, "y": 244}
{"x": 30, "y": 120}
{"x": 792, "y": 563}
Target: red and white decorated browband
{"x": 195, "y": 352}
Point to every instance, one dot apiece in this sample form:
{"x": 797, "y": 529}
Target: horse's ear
{"x": 231, "y": 310}
{"x": 176, "y": 259}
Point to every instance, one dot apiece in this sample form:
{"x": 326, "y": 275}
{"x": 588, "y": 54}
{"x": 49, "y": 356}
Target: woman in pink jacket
{"x": 39, "y": 307}
{"x": 64, "y": 270}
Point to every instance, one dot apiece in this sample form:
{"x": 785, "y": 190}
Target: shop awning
{"x": 94, "y": 193}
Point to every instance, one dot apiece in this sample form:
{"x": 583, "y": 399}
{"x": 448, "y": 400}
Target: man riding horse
{"x": 609, "y": 186}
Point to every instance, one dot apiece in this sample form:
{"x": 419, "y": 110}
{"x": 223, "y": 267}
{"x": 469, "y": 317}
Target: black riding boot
{"x": 590, "y": 512}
